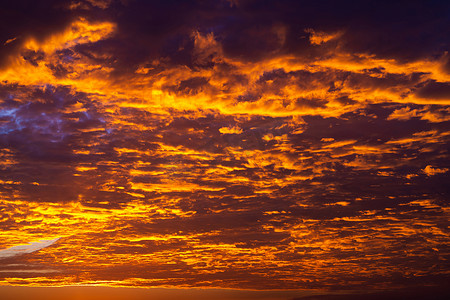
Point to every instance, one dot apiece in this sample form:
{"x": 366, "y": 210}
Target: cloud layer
{"x": 234, "y": 144}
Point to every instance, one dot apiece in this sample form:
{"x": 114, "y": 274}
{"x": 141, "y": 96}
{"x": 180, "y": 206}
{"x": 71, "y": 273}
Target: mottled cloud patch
{"x": 233, "y": 144}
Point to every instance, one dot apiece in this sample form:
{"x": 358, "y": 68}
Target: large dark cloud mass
{"x": 240, "y": 144}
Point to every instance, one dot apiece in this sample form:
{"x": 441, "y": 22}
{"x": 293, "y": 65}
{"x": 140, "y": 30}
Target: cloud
{"x": 25, "y": 249}
{"x": 244, "y": 144}
{"x": 434, "y": 90}
{"x": 430, "y": 171}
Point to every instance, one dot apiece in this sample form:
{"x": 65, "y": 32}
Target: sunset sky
{"x": 243, "y": 149}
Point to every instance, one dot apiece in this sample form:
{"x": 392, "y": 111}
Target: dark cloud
{"x": 434, "y": 90}
{"x": 24, "y": 19}
{"x": 253, "y": 30}
{"x": 191, "y": 86}
{"x": 250, "y": 30}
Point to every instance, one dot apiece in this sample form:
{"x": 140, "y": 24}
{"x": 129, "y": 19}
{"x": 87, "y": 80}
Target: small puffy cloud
{"x": 319, "y": 37}
{"x": 430, "y": 171}
{"x": 403, "y": 114}
{"x": 230, "y": 130}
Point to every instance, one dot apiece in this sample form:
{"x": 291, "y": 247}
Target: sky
{"x": 237, "y": 148}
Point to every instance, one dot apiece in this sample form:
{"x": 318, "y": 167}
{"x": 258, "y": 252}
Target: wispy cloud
{"x": 25, "y": 249}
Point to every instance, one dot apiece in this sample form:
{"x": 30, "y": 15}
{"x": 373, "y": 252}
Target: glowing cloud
{"x": 225, "y": 144}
